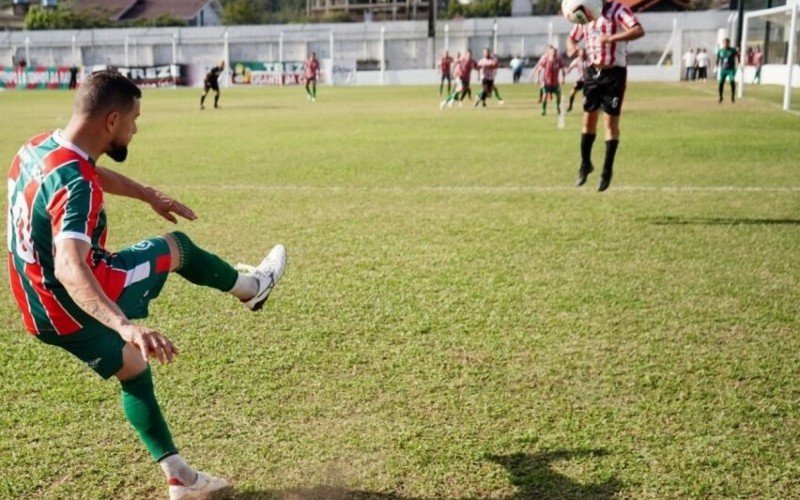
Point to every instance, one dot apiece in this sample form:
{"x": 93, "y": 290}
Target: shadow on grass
{"x": 531, "y": 474}
{"x": 720, "y": 221}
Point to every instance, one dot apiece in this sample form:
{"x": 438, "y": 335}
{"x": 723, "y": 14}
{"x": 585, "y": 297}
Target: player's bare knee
{"x": 132, "y": 363}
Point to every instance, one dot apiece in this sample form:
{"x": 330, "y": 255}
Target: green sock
{"x": 203, "y": 268}
{"x": 497, "y": 94}
{"x": 141, "y": 408}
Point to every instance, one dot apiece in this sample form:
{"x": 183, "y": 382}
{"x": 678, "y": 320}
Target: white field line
{"x": 484, "y": 189}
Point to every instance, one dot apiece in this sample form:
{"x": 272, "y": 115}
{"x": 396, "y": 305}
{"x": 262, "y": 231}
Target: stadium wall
{"x": 407, "y": 50}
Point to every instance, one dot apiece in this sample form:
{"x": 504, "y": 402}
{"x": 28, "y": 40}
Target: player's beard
{"x": 117, "y": 152}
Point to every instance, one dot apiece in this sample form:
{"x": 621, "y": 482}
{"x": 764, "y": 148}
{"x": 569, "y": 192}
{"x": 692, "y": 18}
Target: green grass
{"x": 457, "y": 321}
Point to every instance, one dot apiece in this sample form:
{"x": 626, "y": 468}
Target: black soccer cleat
{"x": 605, "y": 181}
{"x": 583, "y": 173}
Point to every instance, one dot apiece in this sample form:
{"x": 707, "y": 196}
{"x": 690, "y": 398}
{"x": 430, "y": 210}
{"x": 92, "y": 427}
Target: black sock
{"x": 216, "y": 100}
{"x": 587, "y": 140}
{"x": 721, "y": 88}
{"x": 202, "y": 100}
{"x": 611, "y": 150}
{"x": 733, "y": 91}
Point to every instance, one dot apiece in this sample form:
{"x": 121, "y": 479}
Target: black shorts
{"x": 210, "y": 85}
{"x": 488, "y": 85}
{"x": 579, "y": 84}
{"x": 446, "y": 76}
{"x": 604, "y": 88}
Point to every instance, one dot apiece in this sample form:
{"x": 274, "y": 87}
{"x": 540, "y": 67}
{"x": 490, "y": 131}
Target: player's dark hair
{"x": 106, "y": 91}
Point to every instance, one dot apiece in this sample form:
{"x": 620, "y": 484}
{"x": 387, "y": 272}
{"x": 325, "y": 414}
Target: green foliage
{"x": 479, "y": 8}
{"x": 162, "y": 20}
{"x": 547, "y": 7}
{"x": 241, "y": 12}
{"x": 61, "y": 19}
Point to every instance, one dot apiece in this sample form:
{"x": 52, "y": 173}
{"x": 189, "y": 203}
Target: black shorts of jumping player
{"x": 604, "y": 88}
{"x": 210, "y": 85}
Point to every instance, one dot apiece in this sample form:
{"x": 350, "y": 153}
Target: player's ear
{"x": 112, "y": 120}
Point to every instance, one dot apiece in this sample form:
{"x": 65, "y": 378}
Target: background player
{"x": 76, "y": 295}
{"x": 211, "y": 82}
{"x": 488, "y": 68}
{"x": 604, "y": 82}
{"x": 727, "y": 61}
{"x": 311, "y": 67}
{"x": 580, "y": 64}
{"x": 552, "y": 72}
{"x": 445, "y": 67}
{"x": 468, "y": 65}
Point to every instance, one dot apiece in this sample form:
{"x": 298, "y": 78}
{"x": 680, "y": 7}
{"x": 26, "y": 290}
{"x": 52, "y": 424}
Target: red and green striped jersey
{"x": 53, "y": 193}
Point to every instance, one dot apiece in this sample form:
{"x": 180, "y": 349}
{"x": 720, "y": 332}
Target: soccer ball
{"x": 581, "y": 11}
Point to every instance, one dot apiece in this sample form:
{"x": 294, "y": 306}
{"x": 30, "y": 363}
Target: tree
{"x": 241, "y": 12}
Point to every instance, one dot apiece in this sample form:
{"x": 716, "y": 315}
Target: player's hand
{"x": 165, "y": 206}
{"x": 149, "y": 342}
{"x": 605, "y": 39}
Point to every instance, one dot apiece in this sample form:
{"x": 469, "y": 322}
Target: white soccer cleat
{"x": 207, "y": 487}
{"x": 449, "y": 104}
{"x": 502, "y": 102}
{"x": 442, "y": 104}
{"x": 268, "y": 273}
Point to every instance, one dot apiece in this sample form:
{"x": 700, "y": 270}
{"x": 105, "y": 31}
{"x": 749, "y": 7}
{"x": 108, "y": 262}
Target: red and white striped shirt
{"x": 615, "y": 18}
{"x": 488, "y": 68}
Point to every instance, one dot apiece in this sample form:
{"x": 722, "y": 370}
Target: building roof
{"x": 129, "y": 10}
{"x": 643, "y": 5}
{"x": 114, "y": 9}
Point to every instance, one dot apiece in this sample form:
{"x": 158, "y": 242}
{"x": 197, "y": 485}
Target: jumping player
{"x": 311, "y": 67}
{"x": 606, "y": 41}
{"x": 74, "y": 294}
{"x": 445, "y": 65}
{"x": 552, "y": 73}
{"x": 727, "y": 61}
{"x": 580, "y": 64}
{"x": 211, "y": 83}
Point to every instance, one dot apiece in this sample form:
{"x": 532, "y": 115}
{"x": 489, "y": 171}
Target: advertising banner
{"x": 164, "y": 75}
{"x": 268, "y": 73}
{"x": 343, "y": 70}
{"x": 40, "y": 77}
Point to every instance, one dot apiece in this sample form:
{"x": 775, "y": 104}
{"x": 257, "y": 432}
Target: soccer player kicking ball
{"x": 76, "y": 295}
{"x": 604, "y": 82}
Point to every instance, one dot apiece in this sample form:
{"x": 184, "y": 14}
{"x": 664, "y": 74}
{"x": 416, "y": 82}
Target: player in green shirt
{"x": 727, "y": 61}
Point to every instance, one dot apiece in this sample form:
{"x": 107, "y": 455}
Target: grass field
{"x": 457, "y": 320}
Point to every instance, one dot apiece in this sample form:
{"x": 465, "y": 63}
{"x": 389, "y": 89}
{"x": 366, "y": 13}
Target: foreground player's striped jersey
{"x": 615, "y": 18}
{"x": 53, "y": 193}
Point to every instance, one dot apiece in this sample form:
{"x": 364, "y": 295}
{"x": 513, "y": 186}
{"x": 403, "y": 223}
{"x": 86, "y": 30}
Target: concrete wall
{"x": 406, "y": 44}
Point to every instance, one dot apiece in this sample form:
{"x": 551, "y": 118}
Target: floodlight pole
{"x": 333, "y": 59}
{"x": 740, "y": 26}
{"x": 742, "y": 61}
{"x": 494, "y": 37}
{"x": 787, "y": 91}
{"x": 280, "y": 55}
{"x": 383, "y": 55}
{"x": 127, "y": 57}
{"x": 446, "y": 37}
{"x": 174, "y": 49}
{"x": 226, "y": 55}
{"x": 74, "y": 59}
{"x": 28, "y": 51}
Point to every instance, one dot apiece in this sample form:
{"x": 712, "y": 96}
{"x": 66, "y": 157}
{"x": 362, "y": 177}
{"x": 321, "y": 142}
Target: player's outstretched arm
{"x": 165, "y": 206}
{"x": 636, "y": 31}
{"x": 81, "y": 285}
